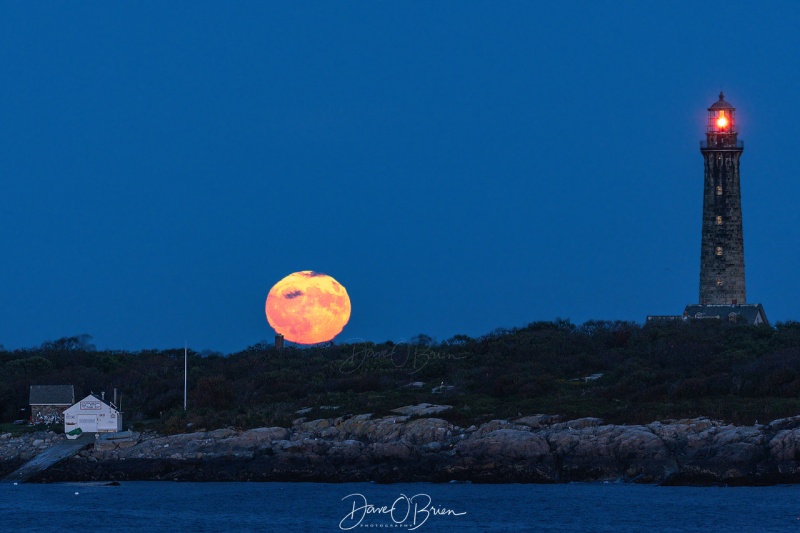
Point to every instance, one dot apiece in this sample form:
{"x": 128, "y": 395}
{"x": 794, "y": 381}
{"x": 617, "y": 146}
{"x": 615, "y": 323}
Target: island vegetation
{"x": 622, "y": 372}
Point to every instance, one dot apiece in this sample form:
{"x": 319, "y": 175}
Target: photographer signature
{"x": 408, "y": 511}
{"x": 415, "y": 357}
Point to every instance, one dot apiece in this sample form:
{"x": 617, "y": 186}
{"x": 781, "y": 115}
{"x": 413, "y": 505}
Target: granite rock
{"x": 536, "y": 448}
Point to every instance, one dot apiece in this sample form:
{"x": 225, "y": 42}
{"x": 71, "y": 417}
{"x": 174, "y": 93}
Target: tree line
{"x": 621, "y": 371}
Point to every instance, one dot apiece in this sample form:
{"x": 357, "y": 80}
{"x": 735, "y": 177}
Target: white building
{"x": 93, "y": 416}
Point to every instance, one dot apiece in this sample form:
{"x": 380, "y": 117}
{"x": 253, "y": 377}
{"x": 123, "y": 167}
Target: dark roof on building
{"x": 721, "y": 103}
{"x": 746, "y": 313}
{"x": 52, "y": 395}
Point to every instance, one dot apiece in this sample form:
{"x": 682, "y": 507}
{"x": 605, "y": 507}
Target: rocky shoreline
{"x": 416, "y": 446}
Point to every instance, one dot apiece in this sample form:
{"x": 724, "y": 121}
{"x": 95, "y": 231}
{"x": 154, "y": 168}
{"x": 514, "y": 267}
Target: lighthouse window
{"x": 719, "y": 220}
{"x": 719, "y": 190}
{"x": 719, "y": 250}
{"x": 719, "y": 282}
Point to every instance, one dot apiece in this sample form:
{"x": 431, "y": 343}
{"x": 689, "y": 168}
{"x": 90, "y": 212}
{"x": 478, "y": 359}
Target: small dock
{"x": 49, "y": 457}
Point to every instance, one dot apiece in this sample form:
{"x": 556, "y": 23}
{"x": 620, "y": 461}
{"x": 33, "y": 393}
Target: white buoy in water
{"x": 76, "y": 494}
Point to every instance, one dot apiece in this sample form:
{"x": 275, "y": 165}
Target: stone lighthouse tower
{"x": 722, "y": 292}
{"x": 722, "y": 243}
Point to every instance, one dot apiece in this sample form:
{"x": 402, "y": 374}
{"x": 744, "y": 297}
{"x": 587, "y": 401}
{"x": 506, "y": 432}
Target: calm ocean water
{"x": 167, "y": 506}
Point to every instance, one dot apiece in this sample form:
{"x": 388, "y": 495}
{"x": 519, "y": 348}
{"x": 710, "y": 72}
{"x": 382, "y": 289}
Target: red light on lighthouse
{"x": 721, "y": 117}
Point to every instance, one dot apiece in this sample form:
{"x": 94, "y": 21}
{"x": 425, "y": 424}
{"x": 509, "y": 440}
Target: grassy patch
{"x": 23, "y": 429}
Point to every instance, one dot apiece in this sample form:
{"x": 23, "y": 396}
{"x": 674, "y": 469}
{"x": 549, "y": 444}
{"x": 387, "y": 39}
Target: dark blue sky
{"x": 457, "y": 166}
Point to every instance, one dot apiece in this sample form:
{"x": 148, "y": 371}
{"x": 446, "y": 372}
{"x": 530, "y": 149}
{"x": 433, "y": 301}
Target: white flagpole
{"x": 185, "y": 368}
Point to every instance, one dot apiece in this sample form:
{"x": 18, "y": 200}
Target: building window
{"x": 719, "y": 282}
{"x": 719, "y": 250}
{"x": 719, "y": 190}
{"x": 719, "y": 220}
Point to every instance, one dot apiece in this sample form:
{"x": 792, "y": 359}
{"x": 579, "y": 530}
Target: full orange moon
{"x": 308, "y": 307}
